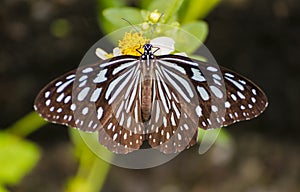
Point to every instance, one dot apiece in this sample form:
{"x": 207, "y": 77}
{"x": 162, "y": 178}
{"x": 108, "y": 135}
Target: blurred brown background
{"x": 259, "y": 39}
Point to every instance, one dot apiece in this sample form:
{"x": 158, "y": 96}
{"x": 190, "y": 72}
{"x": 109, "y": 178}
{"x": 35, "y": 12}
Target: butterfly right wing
{"x": 98, "y": 97}
{"x": 225, "y": 97}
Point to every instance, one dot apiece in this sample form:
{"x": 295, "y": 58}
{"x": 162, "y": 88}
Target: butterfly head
{"x": 147, "y": 52}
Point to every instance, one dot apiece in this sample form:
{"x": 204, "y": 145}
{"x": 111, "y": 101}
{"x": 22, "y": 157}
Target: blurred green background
{"x": 41, "y": 39}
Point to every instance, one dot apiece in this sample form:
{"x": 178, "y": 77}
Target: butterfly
{"x": 158, "y": 100}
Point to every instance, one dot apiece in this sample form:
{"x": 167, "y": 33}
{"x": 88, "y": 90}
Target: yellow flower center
{"x": 131, "y": 43}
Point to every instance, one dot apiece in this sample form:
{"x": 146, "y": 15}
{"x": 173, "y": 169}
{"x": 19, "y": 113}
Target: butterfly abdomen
{"x": 146, "y": 99}
{"x": 146, "y": 105}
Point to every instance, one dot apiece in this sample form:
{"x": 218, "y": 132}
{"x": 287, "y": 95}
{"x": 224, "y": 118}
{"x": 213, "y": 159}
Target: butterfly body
{"x": 147, "y": 76}
{"x": 159, "y": 99}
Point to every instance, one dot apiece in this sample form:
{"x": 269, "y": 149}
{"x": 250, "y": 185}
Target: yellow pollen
{"x": 131, "y": 42}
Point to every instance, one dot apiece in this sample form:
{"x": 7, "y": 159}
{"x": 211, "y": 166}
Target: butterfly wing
{"x": 221, "y": 97}
{"x": 172, "y": 127}
{"x": 224, "y": 96}
{"x": 98, "y": 97}
{"x": 187, "y": 94}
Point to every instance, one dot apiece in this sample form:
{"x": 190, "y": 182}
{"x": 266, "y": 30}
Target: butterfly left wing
{"x": 94, "y": 98}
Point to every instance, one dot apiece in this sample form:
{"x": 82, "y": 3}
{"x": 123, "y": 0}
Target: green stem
{"x": 91, "y": 174}
{"x": 92, "y": 170}
{"x": 96, "y": 179}
{"x": 26, "y": 125}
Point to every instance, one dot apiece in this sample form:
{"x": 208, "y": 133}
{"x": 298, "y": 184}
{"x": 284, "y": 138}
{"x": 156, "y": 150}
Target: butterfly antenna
{"x": 131, "y": 25}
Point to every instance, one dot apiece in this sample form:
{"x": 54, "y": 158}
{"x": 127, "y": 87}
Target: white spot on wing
{"x": 83, "y": 93}
{"x": 64, "y": 85}
{"x": 216, "y": 76}
{"x": 60, "y": 97}
{"x": 165, "y": 121}
{"x": 214, "y": 108}
{"x": 48, "y": 102}
{"x": 82, "y": 78}
{"x": 199, "y": 111}
{"x": 168, "y": 136}
{"x": 47, "y": 94}
{"x": 203, "y": 93}
{"x": 241, "y": 95}
{"x": 229, "y": 75}
{"x": 197, "y": 75}
{"x": 179, "y": 136}
{"x": 115, "y": 136}
{"x": 233, "y": 97}
{"x": 216, "y": 91}
{"x": 237, "y": 84}
{"x": 58, "y": 83}
{"x": 70, "y": 76}
{"x": 100, "y": 76}
{"x": 73, "y": 107}
{"x": 96, "y": 94}
{"x": 67, "y": 99}
{"x": 99, "y": 112}
{"x": 85, "y": 110}
{"x": 213, "y": 69}
{"x": 87, "y": 70}
{"x": 227, "y": 104}
{"x": 173, "y": 119}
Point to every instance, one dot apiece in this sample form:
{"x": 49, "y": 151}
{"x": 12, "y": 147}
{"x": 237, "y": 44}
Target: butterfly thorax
{"x": 147, "y": 68}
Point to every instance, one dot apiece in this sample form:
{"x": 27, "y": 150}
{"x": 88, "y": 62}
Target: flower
{"x": 154, "y": 16}
{"x": 132, "y": 44}
{"x": 103, "y": 54}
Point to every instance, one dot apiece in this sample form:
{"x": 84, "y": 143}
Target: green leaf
{"x": 168, "y": 8}
{"x": 197, "y": 9}
{"x": 113, "y": 18}
{"x": 189, "y": 37}
{"x": 198, "y": 28}
{"x": 17, "y": 158}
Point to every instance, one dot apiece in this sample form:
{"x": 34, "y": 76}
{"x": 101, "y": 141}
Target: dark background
{"x": 259, "y": 39}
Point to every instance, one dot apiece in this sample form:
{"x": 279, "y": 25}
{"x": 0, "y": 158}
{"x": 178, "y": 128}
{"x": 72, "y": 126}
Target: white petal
{"x": 165, "y": 44}
{"x": 117, "y": 51}
{"x": 101, "y": 53}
